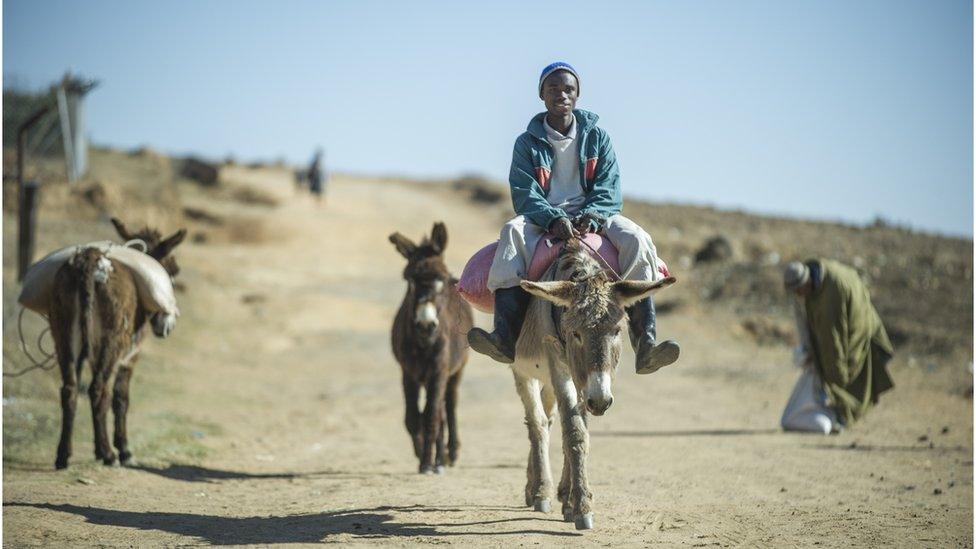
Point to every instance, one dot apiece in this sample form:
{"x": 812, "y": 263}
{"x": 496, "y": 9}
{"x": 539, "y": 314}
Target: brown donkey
{"x": 96, "y": 316}
{"x": 430, "y": 343}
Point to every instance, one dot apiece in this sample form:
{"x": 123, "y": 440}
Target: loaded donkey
{"x": 96, "y": 316}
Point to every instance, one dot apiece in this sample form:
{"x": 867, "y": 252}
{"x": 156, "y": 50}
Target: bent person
{"x": 844, "y": 345}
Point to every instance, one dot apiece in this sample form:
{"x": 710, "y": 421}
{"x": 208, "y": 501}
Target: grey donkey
{"x": 566, "y": 357}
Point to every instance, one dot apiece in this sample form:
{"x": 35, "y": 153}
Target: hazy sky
{"x": 827, "y": 109}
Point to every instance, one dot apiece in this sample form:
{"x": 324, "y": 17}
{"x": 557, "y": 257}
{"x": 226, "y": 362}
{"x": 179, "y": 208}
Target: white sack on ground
{"x": 807, "y": 409}
{"x": 153, "y": 283}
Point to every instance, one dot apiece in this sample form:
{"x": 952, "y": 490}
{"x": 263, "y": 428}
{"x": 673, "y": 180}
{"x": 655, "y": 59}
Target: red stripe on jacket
{"x": 542, "y": 175}
{"x": 591, "y": 168}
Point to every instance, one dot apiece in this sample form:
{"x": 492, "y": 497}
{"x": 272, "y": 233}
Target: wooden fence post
{"x": 27, "y": 225}
{"x": 27, "y": 199}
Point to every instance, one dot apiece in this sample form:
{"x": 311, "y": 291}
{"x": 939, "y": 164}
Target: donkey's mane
{"x": 575, "y": 263}
{"x": 593, "y": 305}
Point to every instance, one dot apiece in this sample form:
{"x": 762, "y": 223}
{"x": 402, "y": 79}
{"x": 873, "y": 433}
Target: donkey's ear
{"x": 167, "y": 245}
{"x": 438, "y": 237}
{"x": 403, "y": 244}
{"x": 559, "y": 292}
{"x": 628, "y": 292}
{"x": 121, "y": 229}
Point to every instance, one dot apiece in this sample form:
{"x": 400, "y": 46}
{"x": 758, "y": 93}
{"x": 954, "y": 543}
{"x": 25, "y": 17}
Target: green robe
{"x": 849, "y": 341}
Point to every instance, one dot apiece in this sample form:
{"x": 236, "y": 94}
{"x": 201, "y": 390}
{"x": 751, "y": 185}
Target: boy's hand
{"x": 563, "y": 229}
{"x": 589, "y": 222}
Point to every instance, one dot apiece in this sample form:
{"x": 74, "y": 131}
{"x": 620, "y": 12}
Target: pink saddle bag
{"x": 473, "y": 285}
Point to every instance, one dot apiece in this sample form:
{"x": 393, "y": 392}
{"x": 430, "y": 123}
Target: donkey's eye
{"x": 577, "y": 337}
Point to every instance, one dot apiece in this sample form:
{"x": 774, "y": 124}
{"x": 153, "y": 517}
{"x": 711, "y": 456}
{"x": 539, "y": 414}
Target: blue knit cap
{"x": 559, "y": 66}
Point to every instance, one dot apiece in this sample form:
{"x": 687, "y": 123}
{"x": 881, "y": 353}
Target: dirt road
{"x": 274, "y": 416}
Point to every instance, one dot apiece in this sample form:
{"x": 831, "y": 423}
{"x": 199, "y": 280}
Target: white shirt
{"x": 565, "y": 191}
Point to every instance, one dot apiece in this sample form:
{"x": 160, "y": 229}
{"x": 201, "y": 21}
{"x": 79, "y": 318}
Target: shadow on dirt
{"x": 194, "y": 473}
{"x": 360, "y": 523}
{"x": 882, "y": 448}
{"x": 688, "y": 433}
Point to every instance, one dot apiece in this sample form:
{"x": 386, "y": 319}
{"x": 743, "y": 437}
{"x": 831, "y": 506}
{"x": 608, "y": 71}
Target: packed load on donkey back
{"x": 152, "y": 281}
{"x": 98, "y": 298}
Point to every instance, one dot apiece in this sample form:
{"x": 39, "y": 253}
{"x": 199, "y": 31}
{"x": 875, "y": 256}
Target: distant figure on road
{"x": 316, "y": 175}
{"x": 844, "y": 349}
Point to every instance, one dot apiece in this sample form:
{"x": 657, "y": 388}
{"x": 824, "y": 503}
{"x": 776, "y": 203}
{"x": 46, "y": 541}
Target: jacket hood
{"x": 585, "y": 121}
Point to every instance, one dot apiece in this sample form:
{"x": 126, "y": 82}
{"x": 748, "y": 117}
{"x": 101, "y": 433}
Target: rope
{"x": 135, "y": 243}
{"x": 45, "y": 364}
{"x": 600, "y": 259}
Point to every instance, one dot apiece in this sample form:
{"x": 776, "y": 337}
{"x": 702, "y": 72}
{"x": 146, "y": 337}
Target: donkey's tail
{"x": 87, "y": 264}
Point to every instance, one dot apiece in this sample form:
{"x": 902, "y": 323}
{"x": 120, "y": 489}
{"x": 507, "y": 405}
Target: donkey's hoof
{"x": 426, "y": 469}
{"x": 127, "y": 460}
{"x": 110, "y": 462}
{"x": 543, "y": 505}
{"x": 439, "y": 470}
{"x": 61, "y": 464}
{"x": 568, "y": 516}
{"x": 585, "y": 522}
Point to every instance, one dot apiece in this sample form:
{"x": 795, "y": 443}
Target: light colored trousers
{"x": 519, "y": 237}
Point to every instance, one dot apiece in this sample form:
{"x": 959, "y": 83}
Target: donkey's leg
{"x": 98, "y": 393}
{"x": 441, "y": 456}
{"x": 565, "y": 399}
{"x": 411, "y": 392}
{"x": 562, "y": 491}
{"x": 120, "y": 409}
{"x": 454, "y": 442}
{"x": 575, "y": 447}
{"x": 433, "y": 420}
{"x": 538, "y": 487}
{"x": 69, "y": 388}
{"x": 523, "y": 387}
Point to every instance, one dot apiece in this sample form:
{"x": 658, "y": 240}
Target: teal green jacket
{"x": 532, "y": 166}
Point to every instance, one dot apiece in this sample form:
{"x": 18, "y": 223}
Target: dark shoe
{"x": 510, "y": 307}
{"x": 651, "y": 355}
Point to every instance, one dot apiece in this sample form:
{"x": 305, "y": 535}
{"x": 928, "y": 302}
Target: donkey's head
{"x": 427, "y": 276}
{"x": 160, "y": 249}
{"x": 590, "y": 325}
{"x": 157, "y": 247}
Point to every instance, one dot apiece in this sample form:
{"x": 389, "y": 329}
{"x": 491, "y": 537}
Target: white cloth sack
{"x": 153, "y": 283}
{"x": 807, "y": 409}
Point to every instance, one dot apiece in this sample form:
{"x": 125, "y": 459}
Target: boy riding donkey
{"x": 564, "y": 180}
